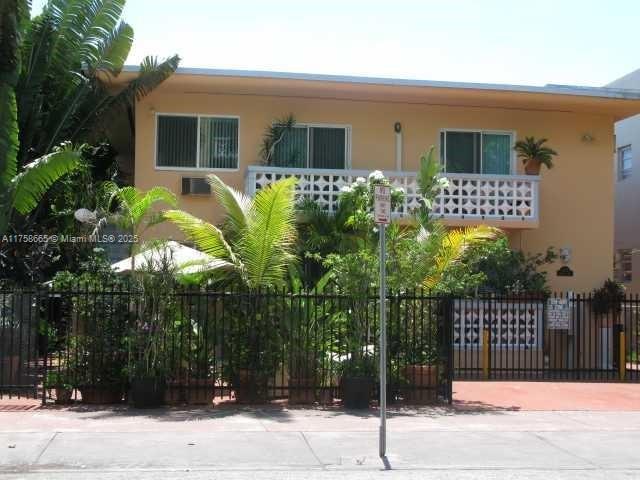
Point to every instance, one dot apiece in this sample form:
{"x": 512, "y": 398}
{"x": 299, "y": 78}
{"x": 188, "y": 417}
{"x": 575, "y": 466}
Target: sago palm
{"x": 535, "y": 151}
{"x": 257, "y": 239}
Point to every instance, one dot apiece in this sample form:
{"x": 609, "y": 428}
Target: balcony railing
{"x": 510, "y": 200}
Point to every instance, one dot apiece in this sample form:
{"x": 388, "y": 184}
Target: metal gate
{"x": 22, "y": 343}
{"x": 559, "y": 338}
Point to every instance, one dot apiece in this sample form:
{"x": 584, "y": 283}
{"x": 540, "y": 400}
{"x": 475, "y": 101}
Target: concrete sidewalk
{"x": 78, "y": 443}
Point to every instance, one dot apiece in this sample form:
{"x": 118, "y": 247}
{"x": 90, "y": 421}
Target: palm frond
{"x": 146, "y": 200}
{"x": 236, "y": 205}
{"x": 208, "y": 238}
{"x": 266, "y": 247}
{"x": 30, "y": 185}
{"x": 453, "y": 246}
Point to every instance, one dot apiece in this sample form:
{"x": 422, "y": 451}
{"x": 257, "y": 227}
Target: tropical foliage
{"x": 69, "y": 54}
{"x": 55, "y": 73}
{"x": 255, "y": 245}
{"x": 532, "y": 150}
{"x": 273, "y": 135}
{"x": 493, "y": 267}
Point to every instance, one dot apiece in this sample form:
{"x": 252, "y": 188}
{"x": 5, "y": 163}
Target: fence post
{"x": 46, "y": 345}
{"x": 622, "y": 358}
{"x": 486, "y": 353}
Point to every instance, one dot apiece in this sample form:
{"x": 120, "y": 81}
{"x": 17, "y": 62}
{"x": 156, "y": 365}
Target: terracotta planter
{"x": 422, "y": 384}
{"x": 302, "y": 391}
{"x": 532, "y": 167}
{"x": 249, "y": 387}
{"x": 356, "y": 391}
{"x": 101, "y": 394}
{"x": 63, "y": 395}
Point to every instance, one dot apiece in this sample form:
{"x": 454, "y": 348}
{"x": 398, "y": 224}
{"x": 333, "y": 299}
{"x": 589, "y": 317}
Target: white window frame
{"x": 512, "y": 153}
{"x": 197, "y": 168}
{"x": 347, "y": 140}
{"x": 622, "y": 173}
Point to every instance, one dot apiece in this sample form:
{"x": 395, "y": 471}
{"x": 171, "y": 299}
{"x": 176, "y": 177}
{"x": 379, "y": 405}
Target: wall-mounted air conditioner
{"x": 195, "y": 186}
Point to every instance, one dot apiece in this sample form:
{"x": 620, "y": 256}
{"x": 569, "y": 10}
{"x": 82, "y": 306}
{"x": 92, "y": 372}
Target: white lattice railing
{"x": 512, "y": 324}
{"x": 512, "y": 198}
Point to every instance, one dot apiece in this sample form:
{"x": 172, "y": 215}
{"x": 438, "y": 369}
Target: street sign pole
{"x": 383, "y": 344}
{"x": 382, "y": 217}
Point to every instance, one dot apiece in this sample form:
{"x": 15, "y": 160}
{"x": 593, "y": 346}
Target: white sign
{"x": 382, "y": 204}
{"x": 558, "y": 314}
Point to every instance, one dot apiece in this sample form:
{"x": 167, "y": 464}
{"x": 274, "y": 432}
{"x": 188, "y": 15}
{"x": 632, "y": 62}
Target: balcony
{"x": 508, "y": 201}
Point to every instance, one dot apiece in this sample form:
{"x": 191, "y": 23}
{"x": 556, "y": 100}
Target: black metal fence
{"x": 207, "y": 345}
{"x": 267, "y": 345}
{"x": 564, "y": 337}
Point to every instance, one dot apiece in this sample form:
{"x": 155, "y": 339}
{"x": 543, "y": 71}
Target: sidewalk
{"x": 271, "y": 442}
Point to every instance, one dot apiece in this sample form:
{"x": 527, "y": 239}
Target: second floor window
{"x": 191, "y": 141}
{"x": 311, "y": 146}
{"x": 625, "y": 161}
{"x": 476, "y": 152}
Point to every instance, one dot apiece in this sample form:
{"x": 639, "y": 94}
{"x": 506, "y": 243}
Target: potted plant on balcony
{"x": 534, "y": 153}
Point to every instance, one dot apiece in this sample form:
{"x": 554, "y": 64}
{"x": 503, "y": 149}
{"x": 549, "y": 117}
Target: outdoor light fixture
{"x": 84, "y": 215}
{"x": 397, "y": 127}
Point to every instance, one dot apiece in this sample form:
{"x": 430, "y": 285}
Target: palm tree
{"x": 132, "y": 210}
{"x": 534, "y": 153}
{"x": 257, "y": 239}
{"x": 69, "y": 54}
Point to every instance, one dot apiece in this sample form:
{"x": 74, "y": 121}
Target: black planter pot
{"x": 148, "y": 392}
{"x": 356, "y": 391}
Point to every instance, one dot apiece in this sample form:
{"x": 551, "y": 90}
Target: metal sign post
{"x": 382, "y": 217}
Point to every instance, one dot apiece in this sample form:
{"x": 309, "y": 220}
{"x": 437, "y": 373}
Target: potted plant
{"x": 61, "y": 382}
{"x": 98, "y": 364}
{"x": 357, "y": 380}
{"x": 534, "y": 153}
{"x": 255, "y": 341}
{"x": 421, "y": 375}
{"x": 608, "y": 299}
{"x": 302, "y": 377}
{"x": 147, "y": 371}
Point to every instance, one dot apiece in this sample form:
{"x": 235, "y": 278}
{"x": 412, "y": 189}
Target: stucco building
{"x": 204, "y": 121}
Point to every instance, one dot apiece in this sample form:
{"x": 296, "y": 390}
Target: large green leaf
{"x": 8, "y": 135}
{"x": 236, "y": 205}
{"x": 266, "y": 247}
{"x": 30, "y": 185}
{"x": 208, "y": 238}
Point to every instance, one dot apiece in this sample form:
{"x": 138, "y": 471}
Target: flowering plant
{"x": 358, "y": 198}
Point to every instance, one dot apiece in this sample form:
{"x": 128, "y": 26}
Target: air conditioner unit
{"x": 195, "y": 186}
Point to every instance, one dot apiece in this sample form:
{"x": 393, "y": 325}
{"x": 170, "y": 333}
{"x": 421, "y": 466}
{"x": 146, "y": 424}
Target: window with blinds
{"x": 306, "y": 146}
{"x": 476, "y": 152}
{"x": 190, "y": 141}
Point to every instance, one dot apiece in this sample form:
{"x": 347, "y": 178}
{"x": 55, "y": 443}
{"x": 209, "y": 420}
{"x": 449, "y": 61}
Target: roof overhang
{"x": 615, "y": 102}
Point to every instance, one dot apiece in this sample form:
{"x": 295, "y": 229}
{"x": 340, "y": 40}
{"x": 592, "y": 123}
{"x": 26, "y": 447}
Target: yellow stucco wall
{"x": 576, "y": 203}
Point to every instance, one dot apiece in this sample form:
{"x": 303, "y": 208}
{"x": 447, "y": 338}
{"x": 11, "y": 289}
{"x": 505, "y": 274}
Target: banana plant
{"x": 69, "y": 54}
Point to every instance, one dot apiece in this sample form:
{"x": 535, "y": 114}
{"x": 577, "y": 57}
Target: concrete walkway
{"x": 230, "y": 443}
